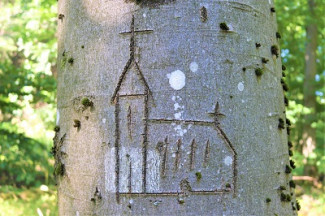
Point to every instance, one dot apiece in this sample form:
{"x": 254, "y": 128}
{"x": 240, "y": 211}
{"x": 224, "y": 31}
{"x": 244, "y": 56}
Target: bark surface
{"x": 166, "y": 108}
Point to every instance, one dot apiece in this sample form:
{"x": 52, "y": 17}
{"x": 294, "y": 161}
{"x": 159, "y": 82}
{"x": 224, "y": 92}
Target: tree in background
{"x": 298, "y": 22}
{"x": 171, "y": 107}
{"x": 309, "y": 130}
{"x": 27, "y": 90}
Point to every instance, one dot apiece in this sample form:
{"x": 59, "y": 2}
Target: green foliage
{"x": 27, "y": 90}
{"x": 293, "y": 17}
{"x": 22, "y": 201}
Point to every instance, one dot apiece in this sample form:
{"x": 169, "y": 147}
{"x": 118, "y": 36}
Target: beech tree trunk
{"x": 170, "y": 107}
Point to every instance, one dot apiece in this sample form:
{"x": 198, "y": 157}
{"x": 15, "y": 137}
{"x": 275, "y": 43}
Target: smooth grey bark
{"x": 163, "y": 111}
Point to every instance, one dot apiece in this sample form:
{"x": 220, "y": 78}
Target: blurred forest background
{"x": 28, "y": 102}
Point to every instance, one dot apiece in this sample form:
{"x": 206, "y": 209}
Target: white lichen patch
{"x": 176, "y": 79}
{"x": 194, "y": 67}
{"x": 176, "y": 106}
{"x": 180, "y": 131}
{"x": 240, "y": 86}
{"x": 228, "y": 160}
{"x": 178, "y": 115}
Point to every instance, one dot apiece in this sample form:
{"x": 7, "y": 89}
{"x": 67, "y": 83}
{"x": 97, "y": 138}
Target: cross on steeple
{"x": 216, "y": 114}
{"x": 132, "y": 39}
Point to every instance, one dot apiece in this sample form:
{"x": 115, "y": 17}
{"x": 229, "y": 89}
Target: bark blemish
{"x": 204, "y": 14}
{"x": 56, "y": 128}
{"x": 275, "y": 50}
{"x": 198, "y": 176}
{"x": 259, "y": 72}
{"x": 281, "y": 124}
{"x": 60, "y": 17}
{"x": 278, "y": 35}
{"x": 194, "y": 67}
{"x": 240, "y": 86}
{"x": 223, "y": 26}
{"x": 286, "y": 101}
{"x": 76, "y": 124}
{"x": 86, "y": 102}
{"x": 97, "y": 196}
{"x": 71, "y": 60}
{"x": 264, "y": 60}
{"x": 59, "y": 167}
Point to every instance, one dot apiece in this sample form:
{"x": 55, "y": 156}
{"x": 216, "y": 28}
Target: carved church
{"x": 151, "y": 159}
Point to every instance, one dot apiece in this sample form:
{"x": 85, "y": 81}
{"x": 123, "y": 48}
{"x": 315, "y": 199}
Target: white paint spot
{"x": 173, "y": 155}
{"x": 176, "y": 79}
{"x": 153, "y": 174}
{"x": 176, "y": 106}
{"x": 174, "y": 97}
{"x": 57, "y": 117}
{"x": 77, "y": 213}
{"x": 269, "y": 1}
{"x": 135, "y": 160}
{"x": 228, "y": 160}
{"x": 109, "y": 169}
{"x": 104, "y": 120}
{"x": 178, "y": 115}
{"x": 179, "y": 130}
{"x": 131, "y": 201}
{"x": 194, "y": 67}
{"x": 240, "y": 86}
{"x": 243, "y": 101}
{"x": 144, "y": 15}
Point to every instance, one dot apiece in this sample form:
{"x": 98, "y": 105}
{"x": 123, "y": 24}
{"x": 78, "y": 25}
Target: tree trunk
{"x": 309, "y": 133}
{"x": 165, "y": 108}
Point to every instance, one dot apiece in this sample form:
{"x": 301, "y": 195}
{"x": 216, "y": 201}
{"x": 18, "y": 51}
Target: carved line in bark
{"x": 131, "y": 60}
{"x": 178, "y": 154}
{"x": 129, "y": 116}
{"x": 201, "y": 192}
{"x": 241, "y": 6}
{"x": 192, "y": 155}
{"x": 130, "y": 175}
{"x": 117, "y": 141}
{"x": 206, "y": 154}
{"x": 222, "y": 133}
{"x": 164, "y": 161}
{"x": 145, "y": 140}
